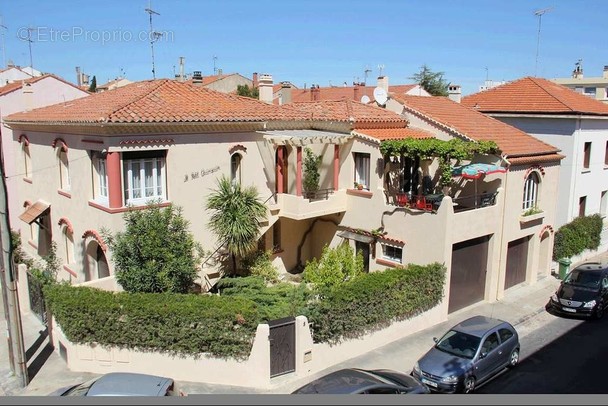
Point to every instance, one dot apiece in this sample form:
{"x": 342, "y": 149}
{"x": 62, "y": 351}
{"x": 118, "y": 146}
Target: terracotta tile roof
{"x": 534, "y": 95}
{"x": 475, "y": 125}
{"x": 159, "y": 101}
{"x": 365, "y": 116}
{"x": 345, "y": 92}
{"x": 384, "y": 134}
{"x": 11, "y": 87}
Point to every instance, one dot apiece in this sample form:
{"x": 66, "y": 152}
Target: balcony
{"x": 311, "y": 205}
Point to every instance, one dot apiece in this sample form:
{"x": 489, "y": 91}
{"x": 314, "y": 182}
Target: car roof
{"x": 343, "y": 381}
{"x": 592, "y": 266}
{"x": 130, "y": 384}
{"x": 478, "y": 325}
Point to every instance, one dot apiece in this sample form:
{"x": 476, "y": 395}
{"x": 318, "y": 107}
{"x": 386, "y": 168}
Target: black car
{"x": 360, "y": 381}
{"x": 583, "y": 292}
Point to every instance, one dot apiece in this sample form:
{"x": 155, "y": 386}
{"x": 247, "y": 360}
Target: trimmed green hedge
{"x": 580, "y": 234}
{"x": 374, "y": 300}
{"x": 224, "y": 326}
{"x": 179, "y": 324}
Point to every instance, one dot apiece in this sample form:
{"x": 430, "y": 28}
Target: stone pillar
{"x": 114, "y": 180}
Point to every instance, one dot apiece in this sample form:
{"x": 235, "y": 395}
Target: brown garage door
{"x": 517, "y": 260}
{"x": 468, "y": 275}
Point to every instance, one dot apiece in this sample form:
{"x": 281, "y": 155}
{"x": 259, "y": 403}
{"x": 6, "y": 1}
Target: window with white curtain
{"x": 144, "y": 176}
{"x": 102, "y": 182}
{"x": 531, "y": 191}
{"x": 362, "y": 169}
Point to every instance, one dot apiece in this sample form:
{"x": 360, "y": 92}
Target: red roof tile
{"x": 159, "y": 101}
{"x": 362, "y": 115}
{"x": 384, "y": 134}
{"x": 534, "y": 95}
{"x": 475, "y": 125}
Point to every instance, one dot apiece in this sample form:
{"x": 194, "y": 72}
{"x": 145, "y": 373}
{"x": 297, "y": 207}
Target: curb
{"x": 529, "y": 316}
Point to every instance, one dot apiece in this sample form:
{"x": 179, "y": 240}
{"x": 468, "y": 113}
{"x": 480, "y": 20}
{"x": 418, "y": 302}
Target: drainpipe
{"x": 502, "y": 251}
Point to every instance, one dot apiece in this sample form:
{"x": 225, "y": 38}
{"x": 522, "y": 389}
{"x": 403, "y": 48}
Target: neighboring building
{"x": 594, "y": 87}
{"x": 489, "y": 84}
{"x": 171, "y": 141}
{"x": 23, "y": 95}
{"x": 13, "y": 73}
{"x": 577, "y": 124}
{"x": 357, "y": 92}
{"x": 222, "y": 83}
{"x": 113, "y": 84}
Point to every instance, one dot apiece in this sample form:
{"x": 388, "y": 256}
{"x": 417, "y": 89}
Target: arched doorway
{"x": 544, "y": 260}
{"x": 97, "y": 263}
{"x": 281, "y": 183}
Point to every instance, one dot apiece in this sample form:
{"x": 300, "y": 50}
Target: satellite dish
{"x": 365, "y": 99}
{"x": 380, "y": 95}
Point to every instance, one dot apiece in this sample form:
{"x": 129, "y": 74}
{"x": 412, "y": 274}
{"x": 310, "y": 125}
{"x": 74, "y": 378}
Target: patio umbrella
{"x": 476, "y": 171}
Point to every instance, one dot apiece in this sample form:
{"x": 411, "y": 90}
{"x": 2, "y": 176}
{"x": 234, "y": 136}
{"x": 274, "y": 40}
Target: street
{"x": 565, "y": 356}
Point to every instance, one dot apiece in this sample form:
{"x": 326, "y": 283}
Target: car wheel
{"x": 599, "y": 312}
{"x": 514, "y": 358}
{"x": 469, "y": 384}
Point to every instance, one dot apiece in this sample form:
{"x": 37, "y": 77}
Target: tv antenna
{"x": 2, "y": 29}
{"x": 366, "y": 72}
{"x": 154, "y": 35}
{"x": 381, "y": 68}
{"x": 214, "y": 66}
{"x": 539, "y": 13}
{"x": 29, "y": 40}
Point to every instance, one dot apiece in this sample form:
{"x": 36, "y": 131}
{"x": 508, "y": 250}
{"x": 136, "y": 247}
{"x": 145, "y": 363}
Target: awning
{"x": 476, "y": 170}
{"x": 34, "y": 211}
{"x": 355, "y": 236}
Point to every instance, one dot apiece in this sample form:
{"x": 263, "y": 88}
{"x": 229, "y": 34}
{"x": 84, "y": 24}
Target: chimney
{"x": 577, "y": 73}
{"x": 181, "y": 68}
{"x": 255, "y": 80}
{"x": 605, "y": 74}
{"x": 356, "y": 96}
{"x": 383, "y": 82}
{"x": 78, "y": 77}
{"x": 197, "y": 78}
{"x": 454, "y": 93}
{"x": 28, "y": 96}
{"x": 285, "y": 93}
{"x": 219, "y": 72}
{"x": 265, "y": 88}
{"x": 315, "y": 93}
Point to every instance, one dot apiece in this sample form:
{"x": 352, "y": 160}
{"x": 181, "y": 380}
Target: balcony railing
{"x": 321, "y": 194}
{"x": 473, "y": 202}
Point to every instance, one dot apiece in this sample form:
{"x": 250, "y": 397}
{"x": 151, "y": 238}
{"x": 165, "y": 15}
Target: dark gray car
{"x": 469, "y": 354}
{"x": 122, "y": 384}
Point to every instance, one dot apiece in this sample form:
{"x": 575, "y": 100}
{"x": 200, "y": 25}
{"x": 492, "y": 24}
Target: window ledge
{"x": 387, "y": 262}
{"x": 28, "y": 180}
{"x": 586, "y": 170}
{"x": 526, "y": 219}
{"x": 64, "y": 193}
{"x": 357, "y": 192}
{"x": 123, "y": 209}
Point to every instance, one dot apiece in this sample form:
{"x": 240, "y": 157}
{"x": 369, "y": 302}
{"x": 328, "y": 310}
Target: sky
{"x": 326, "y": 42}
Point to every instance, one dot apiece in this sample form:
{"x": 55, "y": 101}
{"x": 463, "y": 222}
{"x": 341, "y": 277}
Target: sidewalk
{"x": 519, "y": 306}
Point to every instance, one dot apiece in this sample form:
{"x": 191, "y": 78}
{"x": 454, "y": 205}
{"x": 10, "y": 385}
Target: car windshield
{"x": 80, "y": 390}
{"x": 459, "y": 344}
{"x": 585, "y": 279}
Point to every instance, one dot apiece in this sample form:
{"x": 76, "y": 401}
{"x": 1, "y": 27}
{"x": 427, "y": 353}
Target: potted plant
{"x": 311, "y": 172}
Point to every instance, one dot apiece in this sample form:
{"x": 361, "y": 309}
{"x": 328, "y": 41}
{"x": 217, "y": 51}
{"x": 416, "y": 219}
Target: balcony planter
{"x": 531, "y": 217}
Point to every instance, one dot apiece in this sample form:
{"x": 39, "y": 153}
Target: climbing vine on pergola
{"x": 445, "y": 151}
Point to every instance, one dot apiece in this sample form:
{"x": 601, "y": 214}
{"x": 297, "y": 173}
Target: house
{"x": 225, "y": 83}
{"x": 22, "y": 95}
{"x": 575, "y": 123}
{"x": 286, "y": 93}
{"x": 13, "y": 73}
{"x": 594, "y": 87}
{"x": 113, "y": 84}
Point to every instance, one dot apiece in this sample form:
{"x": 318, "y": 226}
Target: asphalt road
{"x": 565, "y": 356}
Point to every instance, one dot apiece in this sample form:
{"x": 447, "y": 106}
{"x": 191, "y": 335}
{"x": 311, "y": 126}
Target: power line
{"x": 539, "y": 13}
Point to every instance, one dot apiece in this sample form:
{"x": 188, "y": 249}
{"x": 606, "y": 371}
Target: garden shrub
{"x": 580, "y": 234}
{"x": 336, "y": 266}
{"x": 260, "y": 264}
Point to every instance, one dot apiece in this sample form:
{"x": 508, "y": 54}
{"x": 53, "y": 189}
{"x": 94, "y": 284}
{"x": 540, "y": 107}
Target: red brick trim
{"x": 385, "y": 262}
{"x": 64, "y": 145}
{"x": 68, "y": 224}
{"x": 95, "y": 235}
{"x": 63, "y": 193}
{"x": 93, "y": 141}
{"x": 23, "y": 139}
{"x": 123, "y": 209}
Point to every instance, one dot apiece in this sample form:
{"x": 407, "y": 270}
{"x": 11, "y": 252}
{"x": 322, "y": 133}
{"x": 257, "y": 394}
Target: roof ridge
{"x": 130, "y": 102}
{"x": 551, "y": 94}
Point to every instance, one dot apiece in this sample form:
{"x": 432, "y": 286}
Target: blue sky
{"x": 310, "y": 42}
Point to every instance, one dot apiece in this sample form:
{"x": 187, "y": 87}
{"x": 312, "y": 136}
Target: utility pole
{"x": 154, "y": 35}
{"x": 214, "y": 67}
{"x": 539, "y": 13}
{"x": 9, "y": 286}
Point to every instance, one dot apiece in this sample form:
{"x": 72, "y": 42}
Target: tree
{"x": 430, "y": 81}
{"x": 244, "y": 90}
{"x": 237, "y": 214}
{"x": 311, "y": 171}
{"x": 93, "y": 86}
{"x": 156, "y": 252}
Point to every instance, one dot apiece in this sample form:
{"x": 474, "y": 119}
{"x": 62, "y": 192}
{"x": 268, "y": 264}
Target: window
{"x": 578, "y": 89}
{"x": 64, "y": 169}
{"x": 144, "y": 176}
{"x": 587, "y": 155}
{"x": 362, "y": 169}
{"x": 589, "y": 91}
{"x": 100, "y": 177}
{"x": 505, "y": 334}
{"x": 392, "y": 252}
{"x": 27, "y": 161}
{"x": 235, "y": 168}
{"x": 531, "y": 191}
{"x": 582, "y": 202}
{"x": 490, "y": 343}
{"x": 603, "y": 202}
{"x": 606, "y": 155}
{"x": 276, "y": 236}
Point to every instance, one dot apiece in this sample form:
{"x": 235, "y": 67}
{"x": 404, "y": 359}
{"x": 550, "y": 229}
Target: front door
{"x": 363, "y": 248}
{"x": 282, "y": 346}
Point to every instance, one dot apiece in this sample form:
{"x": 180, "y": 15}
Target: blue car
{"x": 469, "y": 354}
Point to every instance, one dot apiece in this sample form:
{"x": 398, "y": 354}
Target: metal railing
{"x": 473, "y": 202}
{"x": 321, "y": 194}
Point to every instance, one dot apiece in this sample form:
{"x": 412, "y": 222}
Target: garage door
{"x": 517, "y": 261}
{"x": 468, "y": 274}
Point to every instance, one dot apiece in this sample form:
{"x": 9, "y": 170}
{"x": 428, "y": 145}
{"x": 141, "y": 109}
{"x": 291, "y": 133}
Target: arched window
{"x": 235, "y": 168}
{"x": 64, "y": 169}
{"x": 531, "y": 191}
